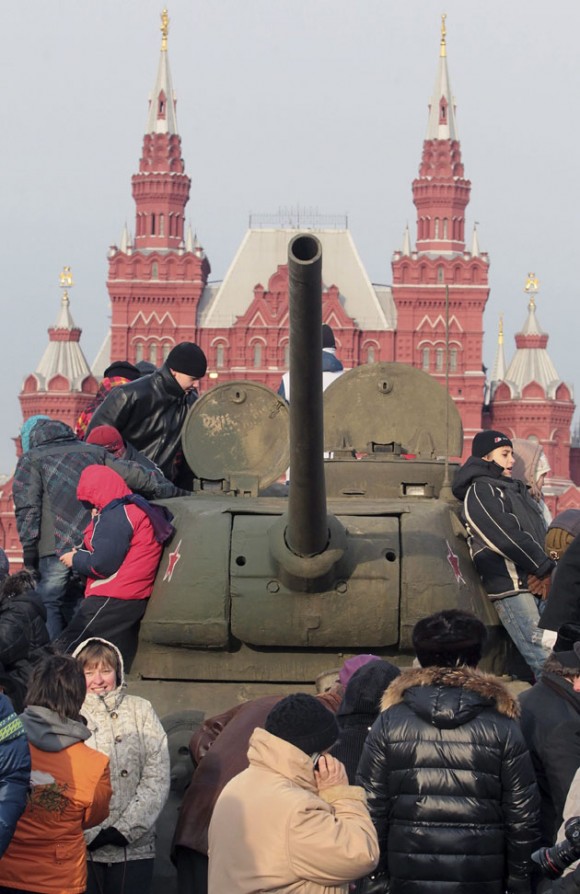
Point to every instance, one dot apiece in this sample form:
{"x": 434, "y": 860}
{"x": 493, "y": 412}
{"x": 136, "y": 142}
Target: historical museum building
{"x": 431, "y": 316}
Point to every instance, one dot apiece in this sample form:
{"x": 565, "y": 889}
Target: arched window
{"x": 439, "y": 356}
{"x": 153, "y": 353}
{"x": 166, "y": 350}
{"x": 436, "y": 232}
{"x": 138, "y": 351}
{"x": 154, "y": 270}
{"x": 152, "y": 224}
{"x": 257, "y": 355}
{"x": 452, "y": 360}
{"x": 162, "y": 225}
{"x": 439, "y": 274}
{"x": 370, "y": 354}
{"x": 445, "y": 227}
{"x": 287, "y": 354}
{"x": 425, "y": 358}
{"x": 220, "y": 356}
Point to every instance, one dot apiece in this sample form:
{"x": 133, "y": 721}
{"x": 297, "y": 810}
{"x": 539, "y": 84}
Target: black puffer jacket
{"x": 450, "y": 785}
{"x": 505, "y": 525}
{"x": 149, "y": 413}
{"x": 23, "y": 635}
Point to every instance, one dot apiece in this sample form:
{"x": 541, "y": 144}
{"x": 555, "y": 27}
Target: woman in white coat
{"x": 125, "y": 727}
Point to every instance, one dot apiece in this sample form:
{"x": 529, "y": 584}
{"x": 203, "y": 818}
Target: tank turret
{"x": 263, "y": 586}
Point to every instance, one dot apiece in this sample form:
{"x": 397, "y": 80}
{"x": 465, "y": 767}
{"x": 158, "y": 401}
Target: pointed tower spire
{"x": 499, "y": 366}
{"x": 475, "y": 242}
{"x": 406, "y": 252}
{"x": 161, "y": 188}
{"x": 531, "y": 361}
{"x": 61, "y": 384}
{"x": 441, "y": 124}
{"x": 162, "y": 116}
{"x": 441, "y": 193}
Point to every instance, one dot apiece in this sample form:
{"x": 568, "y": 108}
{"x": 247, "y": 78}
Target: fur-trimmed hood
{"x": 449, "y": 696}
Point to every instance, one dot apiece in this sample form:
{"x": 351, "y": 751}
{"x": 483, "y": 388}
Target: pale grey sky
{"x": 317, "y": 103}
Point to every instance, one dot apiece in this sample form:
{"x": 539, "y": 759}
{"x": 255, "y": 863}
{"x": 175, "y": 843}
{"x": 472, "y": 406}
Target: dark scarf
{"x": 159, "y": 516}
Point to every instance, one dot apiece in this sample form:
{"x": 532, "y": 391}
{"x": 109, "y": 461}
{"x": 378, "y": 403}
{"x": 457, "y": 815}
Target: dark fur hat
{"x": 122, "y": 368}
{"x": 448, "y": 639}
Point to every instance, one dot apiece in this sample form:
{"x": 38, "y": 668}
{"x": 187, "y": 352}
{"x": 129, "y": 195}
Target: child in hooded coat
{"x": 120, "y": 556}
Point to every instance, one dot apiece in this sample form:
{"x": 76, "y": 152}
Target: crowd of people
{"x": 417, "y": 780}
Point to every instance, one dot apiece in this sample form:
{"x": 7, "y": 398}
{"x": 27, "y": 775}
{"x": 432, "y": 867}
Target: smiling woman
{"x": 126, "y": 728}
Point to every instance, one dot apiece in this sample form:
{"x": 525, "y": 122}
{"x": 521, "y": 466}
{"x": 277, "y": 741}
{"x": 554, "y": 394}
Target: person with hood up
{"x": 122, "y": 550}
{"x": 70, "y": 786}
{"x": 108, "y": 437}
{"x": 49, "y": 518}
{"x": 118, "y": 373}
{"x": 506, "y": 531}
{"x": 150, "y": 412}
{"x": 23, "y": 634}
{"x": 291, "y": 822}
{"x": 121, "y": 851}
{"x": 359, "y": 709}
{"x": 450, "y": 784}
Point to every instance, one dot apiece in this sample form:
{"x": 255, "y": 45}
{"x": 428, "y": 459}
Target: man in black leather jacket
{"x": 150, "y": 412}
{"x": 450, "y": 785}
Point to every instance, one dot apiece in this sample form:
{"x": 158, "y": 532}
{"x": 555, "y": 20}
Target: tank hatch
{"x": 237, "y": 434}
{"x": 390, "y": 409}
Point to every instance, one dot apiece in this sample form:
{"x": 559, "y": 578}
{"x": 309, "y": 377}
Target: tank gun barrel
{"x": 307, "y": 529}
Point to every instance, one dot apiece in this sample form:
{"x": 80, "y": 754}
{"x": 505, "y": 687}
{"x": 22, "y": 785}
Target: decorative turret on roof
{"x": 441, "y": 193}
{"x": 531, "y": 361}
{"x": 63, "y": 356}
{"x": 499, "y": 366}
{"x": 161, "y": 188}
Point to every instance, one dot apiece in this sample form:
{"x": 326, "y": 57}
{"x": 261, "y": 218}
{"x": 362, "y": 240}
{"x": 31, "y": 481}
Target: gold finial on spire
{"x": 164, "y": 30}
{"x": 443, "y": 50}
{"x": 532, "y": 287}
{"x": 500, "y": 332}
{"x": 66, "y": 281}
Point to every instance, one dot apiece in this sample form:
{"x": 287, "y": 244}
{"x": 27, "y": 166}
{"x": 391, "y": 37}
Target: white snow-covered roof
{"x": 261, "y": 252}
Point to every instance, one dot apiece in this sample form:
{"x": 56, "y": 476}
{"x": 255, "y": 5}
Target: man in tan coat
{"x": 284, "y": 825}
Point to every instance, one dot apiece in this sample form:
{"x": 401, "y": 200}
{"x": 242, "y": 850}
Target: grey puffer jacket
{"x": 450, "y": 785}
{"x": 127, "y": 729}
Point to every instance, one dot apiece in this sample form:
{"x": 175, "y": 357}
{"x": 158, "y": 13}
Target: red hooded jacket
{"x": 121, "y": 554}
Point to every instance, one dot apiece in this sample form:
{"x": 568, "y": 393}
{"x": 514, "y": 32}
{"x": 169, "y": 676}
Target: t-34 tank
{"x": 261, "y": 591}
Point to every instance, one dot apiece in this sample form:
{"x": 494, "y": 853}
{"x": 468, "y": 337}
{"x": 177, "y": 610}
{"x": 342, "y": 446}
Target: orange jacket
{"x": 71, "y": 790}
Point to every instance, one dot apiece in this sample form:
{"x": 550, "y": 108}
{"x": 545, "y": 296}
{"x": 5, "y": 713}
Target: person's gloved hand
{"x": 108, "y": 836}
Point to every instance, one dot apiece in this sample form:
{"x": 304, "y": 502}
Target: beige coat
{"x": 272, "y": 831}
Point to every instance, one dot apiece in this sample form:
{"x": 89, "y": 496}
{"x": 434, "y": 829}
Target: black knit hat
{"x": 366, "y": 687}
{"x": 448, "y": 639}
{"x": 187, "y": 358}
{"x": 145, "y": 367}
{"x": 327, "y": 337}
{"x": 122, "y": 368}
{"x": 303, "y": 721}
{"x": 486, "y": 441}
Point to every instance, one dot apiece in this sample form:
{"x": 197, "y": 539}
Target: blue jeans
{"x": 519, "y": 615}
{"x": 52, "y": 588}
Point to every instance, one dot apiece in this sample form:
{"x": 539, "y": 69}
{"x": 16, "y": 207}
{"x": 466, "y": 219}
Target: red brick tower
{"x": 156, "y": 280}
{"x": 441, "y": 264}
{"x": 529, "y": 400}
